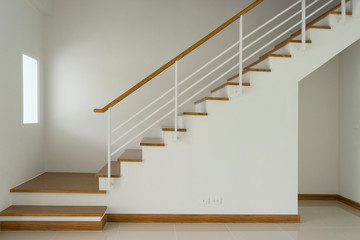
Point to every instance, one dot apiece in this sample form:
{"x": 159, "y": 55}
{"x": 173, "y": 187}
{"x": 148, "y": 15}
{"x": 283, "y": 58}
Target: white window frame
{"x": 26, "y": 53}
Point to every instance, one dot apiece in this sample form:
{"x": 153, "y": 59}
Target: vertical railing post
{"x": 109, "y": 149}
{"x": 343, "y": 10}
{"x": 176, "y": 102}
{"x": 240, "y": 53}
{"x": 303, "y": 25}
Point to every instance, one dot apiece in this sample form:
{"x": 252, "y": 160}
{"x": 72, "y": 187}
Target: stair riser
{"x": 262, "y": 65}
{"x": 66, "y": 199}
{"x": 308, "y": 36}
{"x": 349, "y": 6}
{"x": 103, "y": 182}
{"x": 283, "y": 50}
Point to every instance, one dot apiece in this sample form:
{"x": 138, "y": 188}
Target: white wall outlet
{"x": 210, "y": 200}
{"x": 204, "y": 200}
{"x": 216, "y": 200}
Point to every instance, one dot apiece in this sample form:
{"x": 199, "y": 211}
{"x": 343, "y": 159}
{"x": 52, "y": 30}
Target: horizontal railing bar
{"x": 201, "y": 79}
{"x": 263, "y": 47}
{"x": 142, "y": 121}
{"x": 171, "y": 111}
{"x": 182, "y": 93}
{"x": 270, "y": 31}
{"x": 181, "y": 55}
{"x": 170, "y": 90}
{"x": 207, "y": 64}
{"x": 142, "y": 110}
{"x": 272, "y": 19}
{"x": 153, "y": 124}
{"x": 320, "y": 8}
{"x": 217, "y": 79}
{"x": 311, "y": 4}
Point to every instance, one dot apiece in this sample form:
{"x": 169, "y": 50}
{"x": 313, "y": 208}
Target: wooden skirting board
{"x": 325, "y": 197}
{"x": 191, "y": 218}
{"x": 167, "y": 218}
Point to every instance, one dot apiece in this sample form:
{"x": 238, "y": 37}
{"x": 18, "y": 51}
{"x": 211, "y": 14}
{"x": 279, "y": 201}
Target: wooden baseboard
{"x": 318, "y": 197}
{"x": 349, "y": 202}
{"x": 326, "y": 197}
{"x": 51, "y": 226}
{"x": 191, "y": 218}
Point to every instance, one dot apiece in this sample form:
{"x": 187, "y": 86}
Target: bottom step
{"x": 53, "y": 218}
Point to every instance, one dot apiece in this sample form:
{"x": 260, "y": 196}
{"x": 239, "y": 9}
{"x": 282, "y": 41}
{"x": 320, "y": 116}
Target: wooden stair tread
{"x": 131, "y": 155}
{"x": 280, "y": 55}
{"x": 193, "y": 114}
{"x": 173, "y": 129}
{"x": 115, "y": 170}
{"x": 339, "y": 13}
{"x": 259, "y": 70}
{"x": 54, "y": 211}
{"x": 58, "y": 182}
{"x": 288, "y": 40}
{"x": 299, "y": 41}
{"x": 211, "y": 98}
{"x": 230, "y": 84}
{"x": 320, "y": 27}
{"x": 147, "y": 141}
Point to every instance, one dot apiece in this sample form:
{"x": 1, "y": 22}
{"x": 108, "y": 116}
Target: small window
{"x": 30, "y": 90}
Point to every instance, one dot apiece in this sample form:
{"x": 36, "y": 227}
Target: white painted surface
{"x": 43, "y": 6}
{"x": 350, "y": 122}
{"x": 20, "y": 146}
{"x": 97, "y": 50}
{"x": 319, "y": 130}
{"x": 245, "y": 151}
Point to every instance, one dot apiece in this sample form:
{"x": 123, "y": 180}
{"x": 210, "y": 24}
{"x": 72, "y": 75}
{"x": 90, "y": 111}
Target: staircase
{"x": 253, "y": 109}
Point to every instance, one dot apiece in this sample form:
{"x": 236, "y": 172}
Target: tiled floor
{"x": 328, "y": 220}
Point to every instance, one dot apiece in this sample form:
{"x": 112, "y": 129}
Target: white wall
{"x": 349, "y": 167}
{"x": 44, "y": 6}
{"x": 96, "y": 50}
{"x": 21, "y": 158}
{"x": 319, "y": 130}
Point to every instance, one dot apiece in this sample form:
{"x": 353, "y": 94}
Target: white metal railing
{"x": 239, "y": 65}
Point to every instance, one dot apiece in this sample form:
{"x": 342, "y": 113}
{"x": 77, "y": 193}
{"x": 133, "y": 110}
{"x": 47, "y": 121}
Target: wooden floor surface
{"x": 56, "y": 182}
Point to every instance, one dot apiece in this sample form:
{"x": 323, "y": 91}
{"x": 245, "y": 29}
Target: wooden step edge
{"x": 229, "y": 84}
{"x": 152, "y": 142}
{"x": 339, "y": 13}
{"x": 297, "y": 33}
{"x": 53, "y": 211}
{"x": 259, "y": 70}
{"x": 129, "y": 160}
{"x": 193, "y": 114}
{"x": 115, "y": 170}
{"x": 299, "y": 41}
{"x": 105, "y": 175}
{"x": 173, "y": 129}
{"x": 280, "y": 55}
{"x": 56, "y": 191}
{"x": 131, "y": 155}
{"x": 320, "y": 27}
{"x": 211, "y": 99}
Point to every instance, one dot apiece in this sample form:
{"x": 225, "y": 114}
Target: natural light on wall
{"x": 30, "y": 90}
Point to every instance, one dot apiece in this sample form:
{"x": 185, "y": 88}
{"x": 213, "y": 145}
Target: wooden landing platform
{"x": 54, "y": 211}
{"x": 57, "y": 182}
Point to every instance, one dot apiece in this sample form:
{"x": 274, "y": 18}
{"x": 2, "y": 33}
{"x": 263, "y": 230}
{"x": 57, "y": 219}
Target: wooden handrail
{"x": 181, "y": 55}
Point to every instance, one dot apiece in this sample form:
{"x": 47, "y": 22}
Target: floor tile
{"x": 27, "y": 235}
{"x": 251, "y": 233}
{"x": 203, "y": 233}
